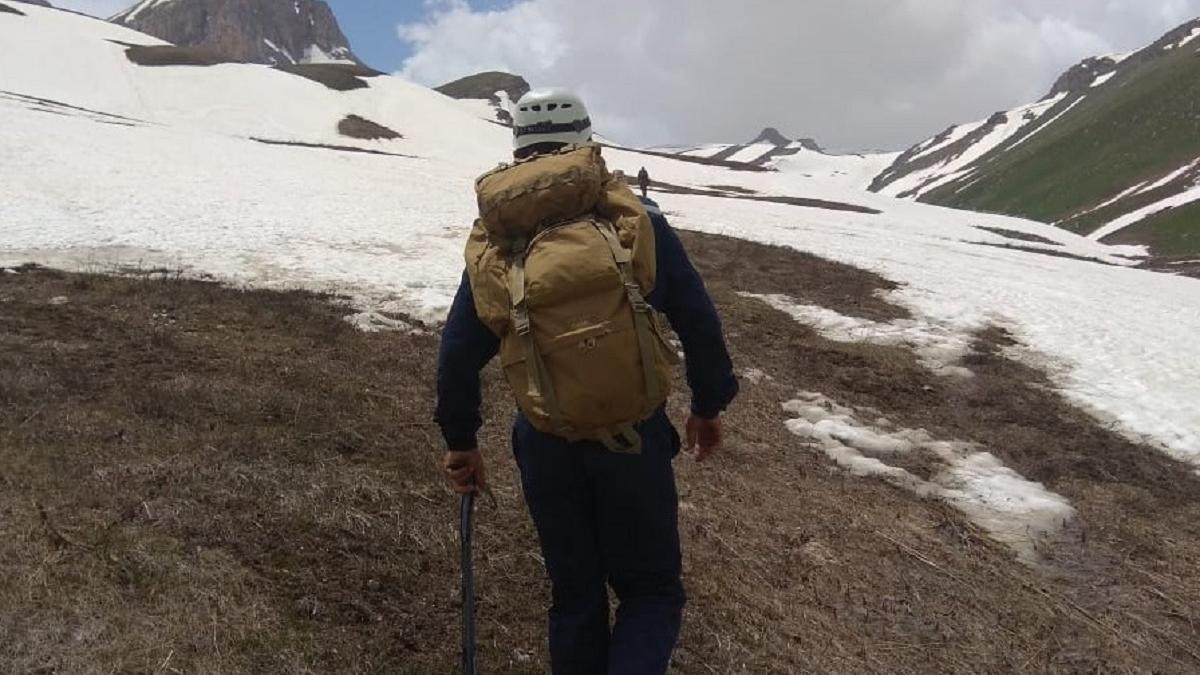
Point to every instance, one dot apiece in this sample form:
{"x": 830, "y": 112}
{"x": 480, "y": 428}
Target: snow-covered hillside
{"x": 1110, "y": 151}
{"x": 774, "y": 151}
{"x": 106, "y": 162}
{"x": 955, "y": 154}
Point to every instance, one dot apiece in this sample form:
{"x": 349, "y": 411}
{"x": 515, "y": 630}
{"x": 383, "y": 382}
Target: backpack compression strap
{"x": 540, "y": 386}
{"x": 626, "y": 439}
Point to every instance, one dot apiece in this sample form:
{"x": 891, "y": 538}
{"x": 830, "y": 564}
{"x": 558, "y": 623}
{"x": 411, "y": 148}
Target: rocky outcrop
{"x": 773, "y": 136}
{"x": 273, "y": 32}
{"x": 489, "y": 86}
{"x": 41, "y": 3}
{"x": 486, "y": 86}
{"x": 1081, "y": 76}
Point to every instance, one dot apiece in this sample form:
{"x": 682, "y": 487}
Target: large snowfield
{"x": 177, "y": 181}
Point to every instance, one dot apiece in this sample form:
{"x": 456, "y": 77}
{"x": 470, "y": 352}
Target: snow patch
{"x": 271, "y": 45}
{"x": 756, "y": 376}
{"x": 1104, "y": 78}
{"x": 939, "y": 345}
{"x": 1195, "y": 33}
{"x": 314, "y": 54}
{"x": 957, "y": 133}
{"x": 921, "y": 182}
{"x": 1174, "y": 201}
{"x": 133, "y": 13}
{"x": 1015, "y": 511}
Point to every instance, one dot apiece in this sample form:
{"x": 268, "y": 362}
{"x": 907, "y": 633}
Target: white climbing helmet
{"x": 552, "y": 115}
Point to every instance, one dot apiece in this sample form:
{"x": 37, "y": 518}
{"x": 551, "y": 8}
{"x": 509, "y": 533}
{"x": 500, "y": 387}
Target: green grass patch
{"x": 1174, "y": 232}
{"x": 1142, "y": 125}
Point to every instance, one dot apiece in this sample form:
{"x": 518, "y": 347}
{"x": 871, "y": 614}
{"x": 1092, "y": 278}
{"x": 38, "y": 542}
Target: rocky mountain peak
{"x": 773, "y": 136}
{"x": 1081, "y": 76}
{"x": 273, "y": 32}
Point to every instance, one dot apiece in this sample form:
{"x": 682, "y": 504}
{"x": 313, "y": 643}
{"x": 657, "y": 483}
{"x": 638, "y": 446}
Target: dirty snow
{"x": 939, "y": 345}
{"x": 1013, "y": 510}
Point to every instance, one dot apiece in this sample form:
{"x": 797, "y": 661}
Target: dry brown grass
{"x": 1053, "y": 253}
{"x": 202, "y": 479}
{"x": 336, "y": 76}
{"x": 750, "y": 195}
{"x": 335, "y": 148}
{"x": 354, "y": 126}
{"x": 174, "y": 55}
{"x": 1018, "y": 235}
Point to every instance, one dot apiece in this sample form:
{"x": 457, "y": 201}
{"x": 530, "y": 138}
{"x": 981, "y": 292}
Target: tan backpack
{"x": 560, "y": 261}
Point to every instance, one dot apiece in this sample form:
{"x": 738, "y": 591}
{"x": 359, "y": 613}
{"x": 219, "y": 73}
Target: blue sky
{"x": 371, "y": 25}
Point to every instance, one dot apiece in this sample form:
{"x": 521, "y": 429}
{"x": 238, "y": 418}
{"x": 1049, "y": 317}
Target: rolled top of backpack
{"x": 518, "y": 200}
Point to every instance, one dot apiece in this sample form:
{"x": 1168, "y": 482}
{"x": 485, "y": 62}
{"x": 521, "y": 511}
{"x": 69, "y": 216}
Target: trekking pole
{"x": 468, "y": 584}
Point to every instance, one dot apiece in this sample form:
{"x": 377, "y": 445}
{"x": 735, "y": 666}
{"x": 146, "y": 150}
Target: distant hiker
{"x": 644, "y": 182}
{"x": 565, "y": 267}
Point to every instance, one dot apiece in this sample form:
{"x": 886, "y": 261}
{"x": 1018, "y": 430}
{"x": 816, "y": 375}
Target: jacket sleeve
{"x": 467, "y": 346}
{"x": 680, "y": 294}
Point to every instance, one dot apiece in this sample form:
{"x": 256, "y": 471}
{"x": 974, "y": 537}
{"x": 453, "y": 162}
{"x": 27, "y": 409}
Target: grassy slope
{"x": 1142, "y": 124}
{"x": 1174, "y": 233}
{"x": 197, "y": 479}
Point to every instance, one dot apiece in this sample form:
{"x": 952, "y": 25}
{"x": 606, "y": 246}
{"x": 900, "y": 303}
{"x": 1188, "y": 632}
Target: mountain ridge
{"x": 1112, "y": 152}
{"x": 271, "y": 32}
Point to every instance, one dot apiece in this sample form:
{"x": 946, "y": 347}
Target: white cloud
{"x": 853, "y": 74}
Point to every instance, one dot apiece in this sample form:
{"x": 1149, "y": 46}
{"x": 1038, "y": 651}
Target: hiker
{"x": 569, "y": 307}
{"x": 644, "y": 182}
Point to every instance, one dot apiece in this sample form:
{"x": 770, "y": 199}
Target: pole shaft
{"x": 467, "y": 509}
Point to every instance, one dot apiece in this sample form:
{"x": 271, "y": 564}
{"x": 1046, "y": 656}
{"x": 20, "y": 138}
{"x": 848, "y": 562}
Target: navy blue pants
{"x": 607, "y": 519}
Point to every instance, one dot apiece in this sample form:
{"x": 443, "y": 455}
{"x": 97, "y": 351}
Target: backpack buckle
{"x": 635, "y": 297}
{"x": 521, "y": 321}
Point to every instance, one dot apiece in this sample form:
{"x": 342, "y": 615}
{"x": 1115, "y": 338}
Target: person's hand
{"x": 703, "y": 437}
{"x": 464, "y": 471}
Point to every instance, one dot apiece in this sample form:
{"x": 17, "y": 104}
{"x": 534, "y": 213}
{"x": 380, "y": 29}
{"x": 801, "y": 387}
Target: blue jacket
{"x": 467, "y": 344}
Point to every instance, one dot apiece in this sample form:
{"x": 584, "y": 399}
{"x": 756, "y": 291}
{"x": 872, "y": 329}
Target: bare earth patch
{"x": 328, "y": 146}
{"x": 336, "y": 76}
{"x": 353, "y": 126}
{"x": 1044, "y": 251}
{"x": 174, "y": 55}
{"x": 749, "y": 195}
{"x": 1019, "y": 236}
{"x": 199, "y": 478}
